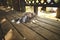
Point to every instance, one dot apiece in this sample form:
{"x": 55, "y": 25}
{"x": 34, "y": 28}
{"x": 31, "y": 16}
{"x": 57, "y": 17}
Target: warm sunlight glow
{"x": 42, "y": 1}
{"x": 37, "y": 1}
{"x": 25, "y": 0}
{"x": 3, "y": 20}
{"x": 54, "y": 9}
{"x": 32, "y": 1}
{"x": 29, "y": 9}
{"x": 51, "y": 9}
{"x": 8, "y": 7}
{"x": 39, "y": 10}
{"x": 33, "y": 21}
{"x": 29, "y": 1}
{"x": 47, "y": 13}
{"x": 12, "y": 8}
{"x": 13, "y": 20}
{"x": 9, "y": 34}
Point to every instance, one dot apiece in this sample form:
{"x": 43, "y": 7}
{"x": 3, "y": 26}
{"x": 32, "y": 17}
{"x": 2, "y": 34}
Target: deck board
{"x": 50, "y": 27}
{"x": 7, "y": 27}
{"x": 46, "y": 33}
{"x": 50, "y": 22}
{"x": 29, "y": 34}
{"x": 41, "y": 29}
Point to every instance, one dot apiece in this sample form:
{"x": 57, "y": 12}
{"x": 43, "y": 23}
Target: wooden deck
{"x": 37, "y": 29}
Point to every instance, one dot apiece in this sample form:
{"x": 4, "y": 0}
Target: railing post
{"x": 58, "y": 13}
{"x": 36, "y": 9}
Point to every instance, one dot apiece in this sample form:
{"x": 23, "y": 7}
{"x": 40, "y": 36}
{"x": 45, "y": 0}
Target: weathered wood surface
{"x": 37, "y": 29}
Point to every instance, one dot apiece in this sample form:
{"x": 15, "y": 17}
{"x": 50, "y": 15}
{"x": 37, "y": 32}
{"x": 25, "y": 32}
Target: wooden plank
{"x": 50, "y": 27}
{"x": 53, "y": 29}
{"x": 10, "y": 33}
{"x": 47, "y": 34}
{"x": 29, "y": 34}
{"x": 55, "y": 21}
{"x": 50, "y": 22}
{"x": 14, "y": 26}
